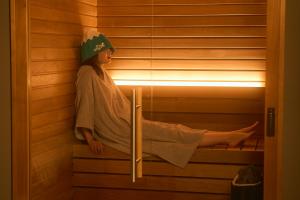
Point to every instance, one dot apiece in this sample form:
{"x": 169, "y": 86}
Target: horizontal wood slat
{"x": 165, "y": 42}
{"x": 52, "y": 79}
{"x": 90, "y": 2}
{"x": 52, "y": 130}
{"x": 196, "y": 105}
{"x": 47, "y": 118}
{"x": 187, "y": 75}
{"x": 192, "y": 9}
{"x": 113, "y": 194}
{"x": 183, "y": 20}
{"x": 202, "y": 155}
{"x": 51, "y": 27}
{"x": 179, "y": 53}
{"x": 156, "y": 168}
{"x": 186, "y": 31}
{"x": 152, "y": 183}
{"x": 50, "y": 104}
{"x": 46, "y": 190}
{"x": 187, "y": 64}
{"x": 55, "y": 41}
{"x": 51, "y": 67}
{"x": 145, "y": 2}
{"x": 47, "y": 14}
{"x": 199, "y": 31}
{"x": 52, "y": 91}
{"x": 67, "y": 5}
{"x": 200, "y": 92}
{"x": 39, "y": 54}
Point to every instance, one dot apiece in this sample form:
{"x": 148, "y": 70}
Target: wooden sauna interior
{"x": 212, "y": 38}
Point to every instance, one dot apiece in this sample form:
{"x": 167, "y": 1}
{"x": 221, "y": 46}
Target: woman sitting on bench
{"x": 103, "y": 114}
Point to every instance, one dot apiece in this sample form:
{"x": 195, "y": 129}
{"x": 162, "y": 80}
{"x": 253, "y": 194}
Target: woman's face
{"x": 104, "y": 57}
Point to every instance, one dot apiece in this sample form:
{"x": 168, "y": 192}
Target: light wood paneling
{"x": 45, "y": 54}
{"x": 173, "y": 53}
{"x": 56, "y": 31}
{"x": 202, "y": 155}
{"x": 226, "y": 31}
{"x": 188, "y": 64}
{"x": 210, "y": 171}
{"x": 52, "y": 91}
{"x": 184, "y": 21}
{"x": 47, "y": 118}
{"x": 191, "y": 9}
{"x": 155, "y": 168}
{"x": 50, "y": 104}
{"x": 273, "y": 184}
{"x": 55, "y": 41}
{"x": 52, "y": 79}
{"x": 51, "y": 67}
{"x": 148, "y": 2}
{"x": 198, "y": 31}
{"x": 152, "y": 183}
{"x": 52, "y": 130}
{"x": 51, "y": 27}
{"x": 48, "y": 14}
{"x": 80, "y": 7}
{"x": 20, "y": 70}
{"x": 112, "y": 194}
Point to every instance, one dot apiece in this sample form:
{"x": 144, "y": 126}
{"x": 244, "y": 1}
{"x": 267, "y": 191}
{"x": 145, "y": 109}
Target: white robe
{"x": 105, "y": 110}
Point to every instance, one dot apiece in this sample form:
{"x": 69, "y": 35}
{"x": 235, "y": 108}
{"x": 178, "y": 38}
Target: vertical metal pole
{"x": 139, "y": 136}
{"x": 136, "y": 136}
{"x": 133, "y": 146}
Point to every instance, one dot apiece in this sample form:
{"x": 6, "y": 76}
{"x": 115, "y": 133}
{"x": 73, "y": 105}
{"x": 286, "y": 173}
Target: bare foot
{"x": 249, "y": 128}
{"x": 238, "y": 137}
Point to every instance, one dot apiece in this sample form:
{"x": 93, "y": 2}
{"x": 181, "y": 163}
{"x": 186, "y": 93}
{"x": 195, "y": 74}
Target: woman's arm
{"x": 95, "y": 145}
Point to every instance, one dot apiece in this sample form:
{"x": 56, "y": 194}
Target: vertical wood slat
{"x": 274, "y": 93}
{"x": 20, "y": 99}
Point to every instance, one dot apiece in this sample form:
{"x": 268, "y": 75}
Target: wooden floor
{"x": 208, "y": 175}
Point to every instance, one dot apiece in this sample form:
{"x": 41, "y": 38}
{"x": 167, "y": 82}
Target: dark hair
{"x": 93, "y": 62}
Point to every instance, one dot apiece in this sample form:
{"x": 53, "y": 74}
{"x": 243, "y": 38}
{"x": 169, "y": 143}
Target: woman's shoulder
{"x": 86, "y": 70}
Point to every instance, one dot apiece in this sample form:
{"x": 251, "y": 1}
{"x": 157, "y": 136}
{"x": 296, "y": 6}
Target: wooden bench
{"x": 208, "y": 175}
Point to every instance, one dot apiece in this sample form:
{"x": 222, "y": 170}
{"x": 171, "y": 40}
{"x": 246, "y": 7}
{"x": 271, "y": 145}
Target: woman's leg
{"x": 232, "y": 138}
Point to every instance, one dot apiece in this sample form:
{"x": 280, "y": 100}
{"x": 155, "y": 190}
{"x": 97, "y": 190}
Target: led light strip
{"x": 189, "y": 83}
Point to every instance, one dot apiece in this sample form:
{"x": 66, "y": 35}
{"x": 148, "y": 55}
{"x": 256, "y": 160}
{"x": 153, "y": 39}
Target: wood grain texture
{"x": 192, "y": 9}
{"x": 186, "y": 35}
{"x": 122, "y": 37}
{"x": 209, "y": 172}
{"x": 273, "y": 184}
{"x": 19, "y": 13}
{"x": 202, "y": 155}
{"x": 197, "y": 31}
{"x": 147, "y": 2}
{"x": 49, "y": 14}
{"x": 156, "y": 168}
{"x": 152, "y": 183}
{"x": 56, "y": 32}
{"x": 112, "y": 194}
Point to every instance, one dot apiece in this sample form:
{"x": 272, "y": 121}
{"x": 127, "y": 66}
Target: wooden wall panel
{"x": 113, "y": 194}
{"x": 208, "y": 174}
{"x": 211, "y": 40}
{"x": 55, "y": 36}
{"x": 226, "y": 31}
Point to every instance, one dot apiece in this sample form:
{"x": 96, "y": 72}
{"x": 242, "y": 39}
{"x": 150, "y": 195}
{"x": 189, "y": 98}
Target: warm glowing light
{"x": 189, "y": 83}
{"x": 189, "y": 78}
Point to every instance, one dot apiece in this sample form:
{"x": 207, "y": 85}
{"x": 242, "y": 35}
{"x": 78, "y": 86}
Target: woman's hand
{"x": 95, "y": 146}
